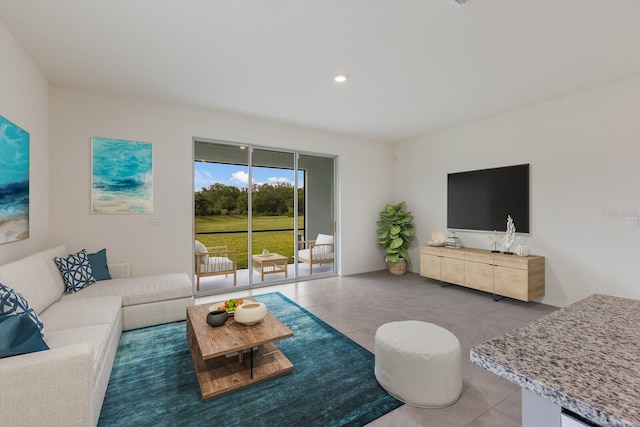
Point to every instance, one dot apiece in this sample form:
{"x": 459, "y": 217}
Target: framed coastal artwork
{"x": 14, "y": 182}
{"x": 121, "y": 176}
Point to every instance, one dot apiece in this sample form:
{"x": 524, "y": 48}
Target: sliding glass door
{"x": 316, "y": 250}
{"x": 272, "y": 214}
{"x": 261, "y": 216}
{"x": 221, "y": 216}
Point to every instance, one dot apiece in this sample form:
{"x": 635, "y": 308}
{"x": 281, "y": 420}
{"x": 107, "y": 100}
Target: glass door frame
{"x": 250, "y": 283}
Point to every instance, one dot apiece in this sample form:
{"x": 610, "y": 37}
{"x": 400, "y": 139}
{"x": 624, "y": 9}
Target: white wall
{"x": 584, "y": 152}
{"x": 23, "y": 101}
{"x": 77, "y": 115}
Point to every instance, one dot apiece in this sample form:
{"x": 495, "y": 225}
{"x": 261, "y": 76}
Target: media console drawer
{"x": 479, "y": 276}
{"x": 511, "y": 276}
{"x": 513, "y": 261}
{"x": 452, "y": 270}
{"x": 485, "y": 257}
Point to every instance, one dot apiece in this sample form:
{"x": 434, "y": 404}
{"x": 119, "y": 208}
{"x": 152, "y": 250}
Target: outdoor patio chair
{"x": 214, "y": 261}
{"x": 320, "y": 251}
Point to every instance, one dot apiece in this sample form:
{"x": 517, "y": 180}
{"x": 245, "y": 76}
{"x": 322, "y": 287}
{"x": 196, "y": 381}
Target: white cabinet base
{"x": 538, "y": 411}
{"x": 569, "y": 421}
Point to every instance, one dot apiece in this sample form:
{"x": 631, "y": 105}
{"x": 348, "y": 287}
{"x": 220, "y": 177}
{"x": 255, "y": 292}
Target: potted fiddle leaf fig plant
{"x": 394, "y": 233}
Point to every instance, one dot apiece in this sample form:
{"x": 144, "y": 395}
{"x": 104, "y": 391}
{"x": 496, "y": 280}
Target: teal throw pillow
{"x": 76, "y": 271}
{"x": 19, "y": 335}
{"x": 99, "y": 265}
{"x": 13, "y": 303}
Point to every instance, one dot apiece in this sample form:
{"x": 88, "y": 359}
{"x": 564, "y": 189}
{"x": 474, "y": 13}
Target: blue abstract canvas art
{"x": 122, "y": 177}
{"x": 14, "y": 182}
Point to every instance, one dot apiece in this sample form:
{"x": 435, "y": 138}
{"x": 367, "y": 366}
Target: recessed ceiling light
{"x": 341, "y": 78}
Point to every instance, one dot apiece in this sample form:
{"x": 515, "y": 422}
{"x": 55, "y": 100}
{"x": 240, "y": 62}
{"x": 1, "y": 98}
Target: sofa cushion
{"x": 12, "y": 303}
{"x": 97, "y": 335}
{"x": 72, "y": 313}
{"x": 36, "y": 277}
{"x": 319, "y": 253}
{"x": 76, "y": 271}
{"x": 216, "y": 264}
{"x": 99, "y": 265}
{"x": 140, "y": 290}
{"x": 19, "y": 335}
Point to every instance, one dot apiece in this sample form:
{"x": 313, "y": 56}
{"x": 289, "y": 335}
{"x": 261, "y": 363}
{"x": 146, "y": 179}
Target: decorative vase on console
{"x": 510, "y": 237}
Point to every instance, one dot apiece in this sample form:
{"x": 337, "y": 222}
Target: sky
{"x": 207, "y": 174}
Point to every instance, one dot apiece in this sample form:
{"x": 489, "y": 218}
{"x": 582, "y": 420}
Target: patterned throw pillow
{"x": 13, "y": 303}
{"x": 76, "y": 271}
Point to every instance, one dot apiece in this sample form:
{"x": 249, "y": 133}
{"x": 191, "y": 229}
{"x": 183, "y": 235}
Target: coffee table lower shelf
{"x": 224, "y": 374}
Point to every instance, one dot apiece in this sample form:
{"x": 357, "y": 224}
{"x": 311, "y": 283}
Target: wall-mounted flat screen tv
{"x": 482, "y": 199}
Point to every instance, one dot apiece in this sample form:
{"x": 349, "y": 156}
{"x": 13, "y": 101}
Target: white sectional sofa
{"x": 66, "y": 385}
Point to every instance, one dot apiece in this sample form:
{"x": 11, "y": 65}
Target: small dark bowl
{"x": 217, "y": 317}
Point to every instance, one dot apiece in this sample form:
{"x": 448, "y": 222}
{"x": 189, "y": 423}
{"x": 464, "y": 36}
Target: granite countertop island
{"x": 584, "y": 358}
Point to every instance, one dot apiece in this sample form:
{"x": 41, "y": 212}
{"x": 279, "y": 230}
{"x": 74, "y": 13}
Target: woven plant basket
{"x": 397, "y": 268}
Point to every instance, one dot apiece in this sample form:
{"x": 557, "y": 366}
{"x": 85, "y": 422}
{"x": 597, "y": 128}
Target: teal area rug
{"x": 153, "y": 382}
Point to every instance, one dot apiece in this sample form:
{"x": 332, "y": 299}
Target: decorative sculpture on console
{"x": 495, "y": 242}
{"x": 510, "y": 237}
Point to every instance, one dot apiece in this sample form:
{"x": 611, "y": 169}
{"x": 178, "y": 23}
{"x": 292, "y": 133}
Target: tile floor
{"x": 218, "y": 284}
{"x": 357, "y": 305}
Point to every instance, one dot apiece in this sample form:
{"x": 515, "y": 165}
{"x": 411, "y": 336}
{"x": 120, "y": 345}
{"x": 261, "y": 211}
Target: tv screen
{"x": 482, "y": 199}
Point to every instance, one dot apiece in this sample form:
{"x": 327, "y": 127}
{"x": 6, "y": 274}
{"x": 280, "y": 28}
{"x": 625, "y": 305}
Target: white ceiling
{"x": 415, "y": 65}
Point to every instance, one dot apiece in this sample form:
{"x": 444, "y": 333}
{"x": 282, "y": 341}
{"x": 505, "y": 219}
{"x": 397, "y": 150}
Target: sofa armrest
{"x": 120, "y": 271}
{"x": 51, "y": 387}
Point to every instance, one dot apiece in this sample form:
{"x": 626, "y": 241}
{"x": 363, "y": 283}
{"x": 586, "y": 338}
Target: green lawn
{"x": 281, "y": 242}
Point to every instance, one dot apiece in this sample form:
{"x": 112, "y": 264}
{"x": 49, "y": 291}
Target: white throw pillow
{"x": 324, "y": 239}
{"x": 199, "y": 247}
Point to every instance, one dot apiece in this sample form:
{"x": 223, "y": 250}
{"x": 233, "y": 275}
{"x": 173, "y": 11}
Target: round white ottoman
{"x": 419, "y": 363}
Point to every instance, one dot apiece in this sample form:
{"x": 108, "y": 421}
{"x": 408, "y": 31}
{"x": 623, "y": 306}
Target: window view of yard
{"x": 231, "y": 231}
{"x": 221, "y": 208}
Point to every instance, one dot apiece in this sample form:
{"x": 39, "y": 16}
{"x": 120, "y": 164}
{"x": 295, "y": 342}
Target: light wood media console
{"x": 512, "y": 276}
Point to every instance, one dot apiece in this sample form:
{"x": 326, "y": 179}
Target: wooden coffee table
{"x": 269, "y": 264}
{"x": 232, "y": 356}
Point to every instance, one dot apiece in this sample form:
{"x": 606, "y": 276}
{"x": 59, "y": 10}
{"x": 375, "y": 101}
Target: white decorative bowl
{"x": 250, "y": 313}
{"x": 437, "y": 237}
{"x": 522, "y": 250}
